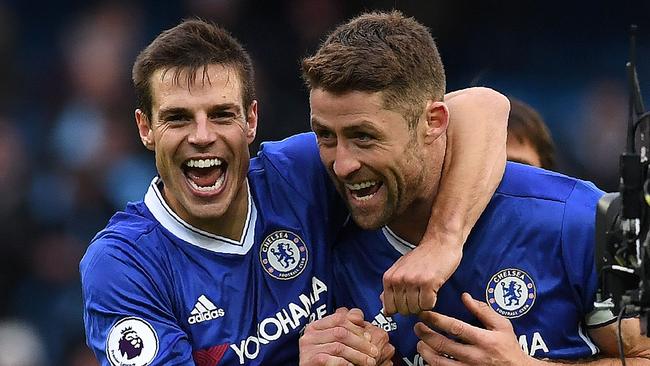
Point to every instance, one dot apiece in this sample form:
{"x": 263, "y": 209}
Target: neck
{"x": 412, "y": 224}
{"x": 229, "y": 225}
{"x": 234, "y": 220}
{"x": 412, "y": 221}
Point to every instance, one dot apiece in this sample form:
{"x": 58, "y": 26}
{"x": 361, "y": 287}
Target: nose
{"x": 202, "y": 134}
{"x": 345, "y": 163}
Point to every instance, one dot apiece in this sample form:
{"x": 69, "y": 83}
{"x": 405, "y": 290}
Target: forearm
{"x": 474, "y": 162}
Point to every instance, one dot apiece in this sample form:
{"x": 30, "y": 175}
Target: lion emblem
{"x": 130, "y": 344}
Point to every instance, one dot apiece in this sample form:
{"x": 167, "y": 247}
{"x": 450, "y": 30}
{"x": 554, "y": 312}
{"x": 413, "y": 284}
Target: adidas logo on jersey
{"x": 204, "y": 310}
{"x": 384, "y": 322}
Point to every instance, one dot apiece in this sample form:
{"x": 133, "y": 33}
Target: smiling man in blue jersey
{"x": 227, "y": 258}
{"x": 526, "y": 285}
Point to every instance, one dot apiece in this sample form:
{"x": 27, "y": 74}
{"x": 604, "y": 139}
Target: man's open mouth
{"x": 363, "y": 191}
{"x": 205, "y": 175}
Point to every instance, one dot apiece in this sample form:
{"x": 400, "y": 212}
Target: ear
{"x": 251, "y": 125}
{"x": 144, "y": 128}
{"x": 437, "y": 120}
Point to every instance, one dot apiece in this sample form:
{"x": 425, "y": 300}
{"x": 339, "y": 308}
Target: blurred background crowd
{"x": 70, "y": 155}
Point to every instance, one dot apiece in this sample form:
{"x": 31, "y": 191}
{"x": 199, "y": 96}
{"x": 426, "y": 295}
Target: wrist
{"x": 444, "y": 234}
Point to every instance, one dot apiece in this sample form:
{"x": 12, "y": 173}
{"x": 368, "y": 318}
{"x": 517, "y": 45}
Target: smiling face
{"x": 382, "y": 168}
{"x": 200, "y": 135}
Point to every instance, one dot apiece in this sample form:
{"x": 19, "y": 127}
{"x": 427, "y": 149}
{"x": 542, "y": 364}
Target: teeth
{"x": 203, "y": 163}
{"x": 364, "y": 198}
{"x": 362, "y": 185}
{"x": 213, "y": 187}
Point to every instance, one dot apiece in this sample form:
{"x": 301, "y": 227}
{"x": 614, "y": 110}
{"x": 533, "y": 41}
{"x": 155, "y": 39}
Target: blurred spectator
{"x": 529, "y": 140}
{"x": 16, "y": 225}
{"x": 50, "y": 297}
{"x": 78, "y": 354}
{"x": 20, "y": 344}
{"x": 599, "y": 134}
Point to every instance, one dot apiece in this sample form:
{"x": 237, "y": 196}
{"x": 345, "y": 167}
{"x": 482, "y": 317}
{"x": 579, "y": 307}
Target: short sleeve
{"x": 296, "y": 160}
{"x": 127, "y": 316}
{"x": 578, "y": 243}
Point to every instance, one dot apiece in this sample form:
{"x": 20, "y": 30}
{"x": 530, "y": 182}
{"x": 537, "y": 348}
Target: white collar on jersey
{"x": 203, "y": 239}
{"x": 398, "y": 243}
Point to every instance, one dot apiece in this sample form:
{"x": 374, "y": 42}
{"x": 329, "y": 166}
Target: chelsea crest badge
{"x": 511, "y": 292}
{"x": 283, "y": 255}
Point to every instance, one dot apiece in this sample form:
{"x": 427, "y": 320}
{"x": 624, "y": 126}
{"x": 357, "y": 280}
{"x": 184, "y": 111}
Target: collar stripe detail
{"x": 195, "y": 236}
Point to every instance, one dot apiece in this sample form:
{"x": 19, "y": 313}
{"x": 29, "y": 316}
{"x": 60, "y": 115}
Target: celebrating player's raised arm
{"x": 474, "y": 164}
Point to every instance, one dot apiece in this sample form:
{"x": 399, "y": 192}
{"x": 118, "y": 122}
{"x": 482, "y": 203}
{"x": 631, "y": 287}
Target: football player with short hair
{"x": 527, "y": 273}
{"x": 227, "y": 258}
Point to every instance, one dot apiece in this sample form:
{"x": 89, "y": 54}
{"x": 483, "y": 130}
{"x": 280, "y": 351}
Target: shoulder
{"x": 530, "y": 182}
{"x": 125, "y": 244}
{"x": 296, "y": 150}
{"x": 293, "y": 167}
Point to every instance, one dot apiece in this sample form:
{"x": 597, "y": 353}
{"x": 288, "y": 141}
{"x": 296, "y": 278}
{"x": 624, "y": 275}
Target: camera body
{"x": 622, "y": 277}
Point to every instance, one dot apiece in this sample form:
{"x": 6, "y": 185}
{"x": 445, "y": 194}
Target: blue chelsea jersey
{"x": 158, "y": 291}
{"x": 530, "y": 257}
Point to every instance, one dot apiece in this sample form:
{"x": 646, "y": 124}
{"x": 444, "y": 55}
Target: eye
{"x": 222, "y": 115}
{"x": 363, "y": 137}
{"x": 325, "y": 135}
{"x": 177, "y": 118}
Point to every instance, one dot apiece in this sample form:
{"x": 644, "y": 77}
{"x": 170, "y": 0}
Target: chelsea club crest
{"x": 283, "y": 255}
{"x": 511, "y": 292}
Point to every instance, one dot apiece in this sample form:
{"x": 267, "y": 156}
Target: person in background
{"x": 529, "y": 140}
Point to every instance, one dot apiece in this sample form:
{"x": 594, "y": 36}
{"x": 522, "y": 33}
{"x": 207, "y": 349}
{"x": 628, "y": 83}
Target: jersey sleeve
{"x": 297, "y": 162}
{"x": 578, "y": 248}
{"x": 127, "y": 316}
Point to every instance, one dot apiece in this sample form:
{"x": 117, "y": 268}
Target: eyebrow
{"x": 172, "y": 111}
{"x": 163, "y": 113}
{"x": 359, "y": 124}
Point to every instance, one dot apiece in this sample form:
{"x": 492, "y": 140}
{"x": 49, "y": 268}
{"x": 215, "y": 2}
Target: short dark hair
{"x": 526, "y": 125}
{"x": 191, "y": 45}
{"x": 380, "y": 51}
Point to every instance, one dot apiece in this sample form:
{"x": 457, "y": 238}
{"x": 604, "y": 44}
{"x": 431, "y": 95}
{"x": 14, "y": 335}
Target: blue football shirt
{"x": 158, "y": 291}
{"x": 530, "y": 256}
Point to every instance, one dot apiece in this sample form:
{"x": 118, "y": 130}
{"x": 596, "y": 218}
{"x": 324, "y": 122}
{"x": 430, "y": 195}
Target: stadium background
{"x": 70, "y": 156}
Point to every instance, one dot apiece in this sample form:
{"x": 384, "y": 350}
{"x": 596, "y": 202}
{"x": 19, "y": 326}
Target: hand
{"x": 342, "y": 338}
{"x": 495, "y": 345}
{"x": 379, "y": 338}
{"x": 411, "y": 285}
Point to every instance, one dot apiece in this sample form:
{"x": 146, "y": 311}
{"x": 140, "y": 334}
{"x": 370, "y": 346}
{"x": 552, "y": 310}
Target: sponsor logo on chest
{"x": 204, "y": 310}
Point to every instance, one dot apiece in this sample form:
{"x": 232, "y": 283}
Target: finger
{"x": 340, "y": 342}
{"x": 432, "y": 357}
{"x": 441, "y": 344}
{"x": 387, "y": 353}
{"x": 388, "y": 297}
{"x": 427, "y": 298}
{"x": 401, "y": 304}
{"x": 376, "y": 335}
{"x": 453, "y": 327}
{"x": 483, "y": 312}
{"x": 323, "y": 359}
{"x": 338, "y": 319}
{"x": 355, "y": 316}
{"x": 412, "y": 295}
